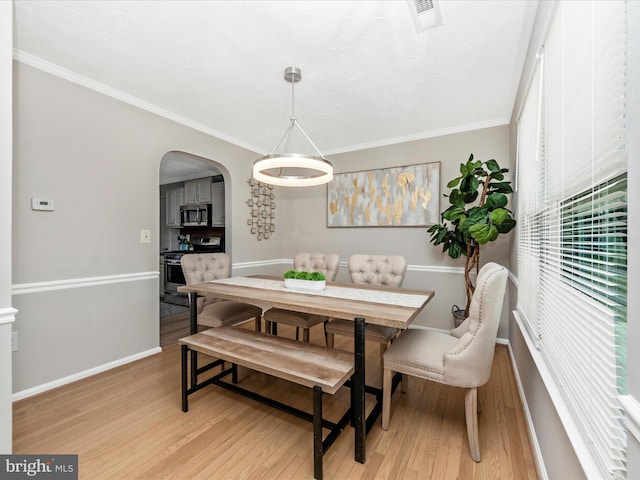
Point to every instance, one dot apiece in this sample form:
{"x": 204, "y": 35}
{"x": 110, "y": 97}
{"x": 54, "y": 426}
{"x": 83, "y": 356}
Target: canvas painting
{"x": 391, "y": 197}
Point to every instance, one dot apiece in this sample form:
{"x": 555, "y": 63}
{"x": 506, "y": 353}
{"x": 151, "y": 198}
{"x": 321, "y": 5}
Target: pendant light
{"x": 293, "y": 169}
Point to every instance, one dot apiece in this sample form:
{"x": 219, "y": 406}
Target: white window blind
{"x": 572, "y": 217}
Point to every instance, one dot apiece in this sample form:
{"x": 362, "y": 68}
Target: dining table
{"x": 363, "y": 304}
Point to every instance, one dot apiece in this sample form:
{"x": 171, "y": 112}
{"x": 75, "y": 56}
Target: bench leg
{"x": 359, "y": 417}
{"x": 318, "y": 452}
{"x": 185, "y": 386}
{"x": 234, "y": 373}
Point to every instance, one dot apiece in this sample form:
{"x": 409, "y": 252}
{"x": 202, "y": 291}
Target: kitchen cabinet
{"x": 217, "y": 199}
{"x": 175, "y": 198}
{"x": 197, "y": 191}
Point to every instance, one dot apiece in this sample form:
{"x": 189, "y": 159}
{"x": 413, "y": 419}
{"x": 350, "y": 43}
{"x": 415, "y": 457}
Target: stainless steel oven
{"x": 173, "y": 276}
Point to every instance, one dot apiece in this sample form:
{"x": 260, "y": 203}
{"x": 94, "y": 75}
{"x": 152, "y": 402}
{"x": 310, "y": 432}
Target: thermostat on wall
{"x": 41, "y": 204}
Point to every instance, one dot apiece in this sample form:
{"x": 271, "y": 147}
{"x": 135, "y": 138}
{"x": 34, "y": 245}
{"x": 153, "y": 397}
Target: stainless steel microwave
{"x": 197, "y": 215}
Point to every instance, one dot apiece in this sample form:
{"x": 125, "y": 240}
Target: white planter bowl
{"x": 308, "y": 285}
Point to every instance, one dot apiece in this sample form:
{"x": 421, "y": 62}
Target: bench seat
{"x": 320, "y": 368}
{"x": 302, "y": 363}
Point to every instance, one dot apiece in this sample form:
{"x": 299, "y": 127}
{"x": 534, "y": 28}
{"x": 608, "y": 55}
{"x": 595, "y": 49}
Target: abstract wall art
{"x": 406, "y": 196}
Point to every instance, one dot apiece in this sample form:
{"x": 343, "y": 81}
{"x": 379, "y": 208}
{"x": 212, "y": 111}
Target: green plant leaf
{"x": 496, "y": 200}
{"x": 464, "y": 169}
{"x": 455, "y": 250}
{"x": 506, "y": 226}
{"x": 452, "y": 213}
{"x": 477, "y": 214}
{"x": 456, "y": 198}
{"x": 500, "y": 187}
{"x": 498, "y": 216}
{"x": 317, "y": 276}
{"x": 483, "y": 233}
{"x": 469, "y": 184}
{"x": 454, "y": 182}
{"x": 492, "y": 165}
{"x": 290, "y": 274}
{"x": 471, "y": 197}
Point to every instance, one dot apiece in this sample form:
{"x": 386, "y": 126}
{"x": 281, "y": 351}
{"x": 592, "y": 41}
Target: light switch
{"x": 145, "y": 236}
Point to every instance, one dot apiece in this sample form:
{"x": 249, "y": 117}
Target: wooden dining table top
{"x": 389, "y": 306}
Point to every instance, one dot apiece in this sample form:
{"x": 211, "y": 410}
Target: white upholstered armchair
{"x": 213, "y": 312}
{"x": 460, "y": 359}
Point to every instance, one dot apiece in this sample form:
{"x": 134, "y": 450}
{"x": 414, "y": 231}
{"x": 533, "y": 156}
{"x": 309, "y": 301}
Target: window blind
{"x": 572, "y": 251}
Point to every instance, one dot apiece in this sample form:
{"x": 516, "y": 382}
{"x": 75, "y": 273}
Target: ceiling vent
{"x": 425, "y": 13}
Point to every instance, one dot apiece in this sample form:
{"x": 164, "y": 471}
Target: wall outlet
{"x": 145, "y": 236}
{"x": 14, "y": 341}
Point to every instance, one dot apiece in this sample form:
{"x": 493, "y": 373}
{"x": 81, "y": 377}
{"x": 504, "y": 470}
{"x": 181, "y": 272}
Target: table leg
{"x": 193, "y": 328}
{"x": 185, "y": 386}
{"x": 193, "y": 313}
{"x": 360, "y": 423}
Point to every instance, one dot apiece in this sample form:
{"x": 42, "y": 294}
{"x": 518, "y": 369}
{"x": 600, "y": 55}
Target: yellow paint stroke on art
{"x": 398, "y": 210}
{"x": 386, "y": 213}
{"x": 426, "y": 199}
{"x": 354, "y": 200}
{"x": 333, "y": 207}
{"x": 385, "y": 187}
{"x": 372, "y": 187}
{"x": 415, "y": 195}
{"x": 404, "y": 180}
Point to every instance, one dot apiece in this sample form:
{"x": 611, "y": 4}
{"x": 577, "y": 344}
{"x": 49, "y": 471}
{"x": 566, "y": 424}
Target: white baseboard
{"x": 533, "y": 438}
{"x": 80, "y": 375}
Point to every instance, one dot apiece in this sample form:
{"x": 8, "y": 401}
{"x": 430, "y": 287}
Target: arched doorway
{"x": 189, "y": 186}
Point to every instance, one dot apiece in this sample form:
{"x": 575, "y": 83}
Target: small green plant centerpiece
{"x": 301, "y": 280}
{"x": 477, "y": 215}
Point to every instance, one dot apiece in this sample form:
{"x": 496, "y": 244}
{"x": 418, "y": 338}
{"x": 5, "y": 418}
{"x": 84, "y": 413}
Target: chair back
{"x": 468, "y": 363}
{"x": 325, "y": 263}
{"x": 386, "y": 270}
{"x": 204, "y": 267}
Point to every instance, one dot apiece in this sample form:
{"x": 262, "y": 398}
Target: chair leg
{"x": 404, "y": 383}
{"x": 297, "y": 333}
{"x": 258, "y": 326}
{"x": 471, "y": 415}
{"x": 330, "y": 340}
{"x": 386, "y": 398}
{"x": 305, "y": 335}
{"x": 383, "y": 348}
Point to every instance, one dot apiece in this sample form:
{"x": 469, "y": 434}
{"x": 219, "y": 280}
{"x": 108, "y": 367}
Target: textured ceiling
{"x": 369, "y": 78}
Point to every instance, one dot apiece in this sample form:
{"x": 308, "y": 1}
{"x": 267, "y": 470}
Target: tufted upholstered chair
{"x": 325, "y": 263}
{"x": 213, "y": 312}
{"x": 462, "y": 359}
{"x": 388, "y": 271}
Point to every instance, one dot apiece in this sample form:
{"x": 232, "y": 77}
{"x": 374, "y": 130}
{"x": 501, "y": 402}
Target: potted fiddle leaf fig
{"x": 477, "y": 215}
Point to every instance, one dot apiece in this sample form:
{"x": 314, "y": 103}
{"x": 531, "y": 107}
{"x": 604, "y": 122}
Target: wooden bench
{"x": 322, "y": 369}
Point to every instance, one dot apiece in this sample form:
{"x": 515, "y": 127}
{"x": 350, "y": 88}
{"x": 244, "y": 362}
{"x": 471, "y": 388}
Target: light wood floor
{"x": 127, "y": 423}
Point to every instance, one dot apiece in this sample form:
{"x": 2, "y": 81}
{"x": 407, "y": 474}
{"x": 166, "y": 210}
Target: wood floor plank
{"x": 128, "y": 423}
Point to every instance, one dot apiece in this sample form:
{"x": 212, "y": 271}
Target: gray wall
{"x": 304, "y": 217}
{"x": 85, "y": 287}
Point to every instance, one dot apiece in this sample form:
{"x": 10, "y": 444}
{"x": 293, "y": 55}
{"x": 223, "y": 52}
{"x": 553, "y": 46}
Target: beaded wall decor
{"x": 262, "y": 204}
